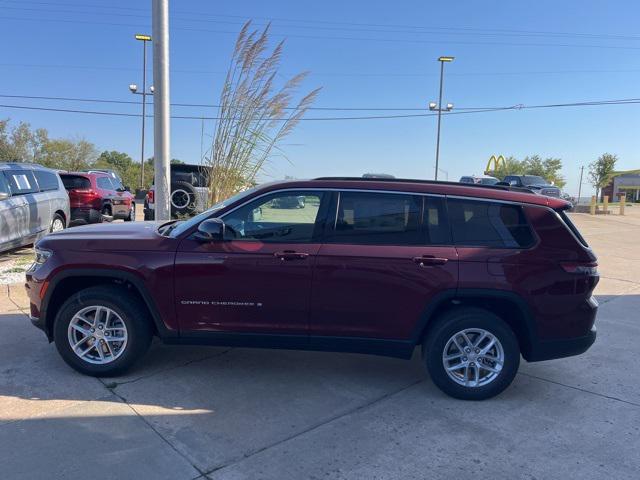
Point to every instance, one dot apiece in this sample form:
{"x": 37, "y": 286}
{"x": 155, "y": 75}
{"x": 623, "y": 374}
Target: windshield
{"x": 488, "y": 181}
{"x": 533, "y": 180}
{"x": 180, "y": 227}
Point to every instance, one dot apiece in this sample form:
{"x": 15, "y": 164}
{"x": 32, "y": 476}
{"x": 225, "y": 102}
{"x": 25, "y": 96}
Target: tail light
{"x": 150, "y": 196}
{"x": 580, "y": 268}
{"x": 83, "y": 191}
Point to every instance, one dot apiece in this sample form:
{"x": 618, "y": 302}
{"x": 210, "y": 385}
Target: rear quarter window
{"x": 489, "y": 224}
{"x": 570, "y": 225}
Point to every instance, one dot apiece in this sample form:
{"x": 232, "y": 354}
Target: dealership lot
{"x": 223, "y": 413}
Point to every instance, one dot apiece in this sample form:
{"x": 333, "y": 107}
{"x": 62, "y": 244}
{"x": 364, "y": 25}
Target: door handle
{"x": 290, "y": 255}
{"x": 428, "y": 261}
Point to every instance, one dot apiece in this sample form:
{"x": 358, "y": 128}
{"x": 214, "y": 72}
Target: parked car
{"x": 294, "y": 201}
{"x": 475, "y": 275}
{"x": 534, "y": 183}
{"x": 94, "y": 196}
{"x": 189, "y": 191}
{"x": 33, "y": 202}
{"x": 481, "y": 179}
{"x": 115, "y": 178}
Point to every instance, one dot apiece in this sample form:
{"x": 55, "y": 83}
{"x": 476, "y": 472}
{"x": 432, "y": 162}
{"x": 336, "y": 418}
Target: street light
{"x": 134, "y": 89}
{"x": 438, "y": 107}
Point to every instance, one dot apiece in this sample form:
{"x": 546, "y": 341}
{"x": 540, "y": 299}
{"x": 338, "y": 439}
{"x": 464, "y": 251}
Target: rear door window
{"x": 489, "y": 224}
{"x": 377, "y": 219}
{"x": 75, "y": 182}
{"x": 47, "y": 181}
{"x": 21, "y": 182}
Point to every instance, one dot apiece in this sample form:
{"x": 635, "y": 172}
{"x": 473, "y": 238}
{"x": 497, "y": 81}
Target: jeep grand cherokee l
{"x": 475, "y": 275}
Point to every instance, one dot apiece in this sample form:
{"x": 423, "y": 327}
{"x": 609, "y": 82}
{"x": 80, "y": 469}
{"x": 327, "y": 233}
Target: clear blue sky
{"x": 365, "y": 54}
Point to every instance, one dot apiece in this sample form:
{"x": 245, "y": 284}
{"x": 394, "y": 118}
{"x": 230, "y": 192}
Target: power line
{"x": 208, "y": 105}
{"x": 372, "y": 117}
{"x": 327, "y": 37}
{"x": 348, "y": 26}
{"x": 331, "y": 74}
{"x": 351, "y": 24}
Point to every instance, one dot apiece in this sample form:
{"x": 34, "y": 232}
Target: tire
{"x": 106, "y": 210}
{"x": 183, "y": 198}
{"x": 462, "y": 382}
{"x": 126, "y": 310}
{"x": 57, "y": 223}
{"x": 132, "y": 213}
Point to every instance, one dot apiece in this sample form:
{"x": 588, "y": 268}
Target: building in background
{"x": 623, "y": 182}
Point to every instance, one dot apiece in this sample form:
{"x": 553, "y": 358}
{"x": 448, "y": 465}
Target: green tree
{"x": 69, "y": 155}
{"x": 20, "y": 143}
{"x": 123, "y": 164}
{"x": 549, "y": 168}
{"x": 601, "y": 170}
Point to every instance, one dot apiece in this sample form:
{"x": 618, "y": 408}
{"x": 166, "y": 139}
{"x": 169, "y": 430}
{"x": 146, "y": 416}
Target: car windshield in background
{"x": 488, "y": 181}
{"x": 182, "y": 227}
{"x": 75, "y": 182}
{"x": 533, "y": 180}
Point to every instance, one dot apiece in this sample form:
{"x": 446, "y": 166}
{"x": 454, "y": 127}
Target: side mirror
{"x": 127, "y": 189}
{"x": 211, "y": 230}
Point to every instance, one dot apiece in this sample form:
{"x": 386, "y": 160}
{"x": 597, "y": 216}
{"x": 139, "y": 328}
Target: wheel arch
{"x": 509, "y": 306}
{"x": 63, "y": 215}
{"x": 69, "y": 282}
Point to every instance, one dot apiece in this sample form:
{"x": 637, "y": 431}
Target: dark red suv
{"x": 475, "y": 275}
{"x": 92, "y": 195}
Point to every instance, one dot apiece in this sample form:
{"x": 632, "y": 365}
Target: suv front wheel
{"x": 102, "y": 331}
{"x": 471, "y": 354}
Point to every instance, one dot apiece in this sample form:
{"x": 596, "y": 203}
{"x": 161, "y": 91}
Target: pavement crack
{"x": 313, "y": 427}
{"x": 156, "y": 431}
{"x": 584, "y": 390}
{"x": 112, "y": 385}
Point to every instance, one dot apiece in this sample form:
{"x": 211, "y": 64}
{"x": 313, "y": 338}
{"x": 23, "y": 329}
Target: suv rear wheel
{"x": 471, "y": 354}
{"x": 102, "y": 331}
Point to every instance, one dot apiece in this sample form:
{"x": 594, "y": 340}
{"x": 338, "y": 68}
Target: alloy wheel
{"x": 473, "y": 357}
{"x": 57, "y": 225}
{"x": 97, "y": 335}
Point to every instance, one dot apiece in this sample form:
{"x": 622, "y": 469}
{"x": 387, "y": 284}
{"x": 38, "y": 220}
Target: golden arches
{"x": 497, "y": 162}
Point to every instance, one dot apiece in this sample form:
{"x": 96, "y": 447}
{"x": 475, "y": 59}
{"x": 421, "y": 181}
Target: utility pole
{"x": 144, "y": 39}
{"x": 161, "y": 109}
{"x": 580, "y": 187}
{"x": 433, "y": 106}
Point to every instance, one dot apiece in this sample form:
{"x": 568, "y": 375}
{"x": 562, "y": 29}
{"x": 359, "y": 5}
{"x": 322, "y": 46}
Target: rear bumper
{"x": 85, "y": 215}
{"x": 550, "y": 349}
{"x": 567, "y": 347}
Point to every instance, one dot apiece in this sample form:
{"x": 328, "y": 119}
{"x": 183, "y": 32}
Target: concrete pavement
{"x": 221, "y": 413}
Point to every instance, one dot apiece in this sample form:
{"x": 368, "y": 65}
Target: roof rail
{"x": 429, "y": 182}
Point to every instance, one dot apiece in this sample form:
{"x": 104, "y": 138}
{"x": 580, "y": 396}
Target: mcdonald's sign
{"x": 496, "y": 162}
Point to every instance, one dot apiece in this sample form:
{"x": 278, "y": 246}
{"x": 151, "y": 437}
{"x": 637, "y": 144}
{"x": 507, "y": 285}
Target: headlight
{"x": 42, "y": 256}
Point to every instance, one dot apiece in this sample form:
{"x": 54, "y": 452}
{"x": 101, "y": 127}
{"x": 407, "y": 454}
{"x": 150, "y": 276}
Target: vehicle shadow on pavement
{"x": 231, "y": 413}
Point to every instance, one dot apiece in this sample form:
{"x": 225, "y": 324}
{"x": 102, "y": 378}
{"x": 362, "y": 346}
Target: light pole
{"x": 161, "y": 109}
{"x": 134, "y": 89}
{"x": 439, "y": 109}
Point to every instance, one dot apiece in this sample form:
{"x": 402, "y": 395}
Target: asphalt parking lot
{"x": 222, "y": 413}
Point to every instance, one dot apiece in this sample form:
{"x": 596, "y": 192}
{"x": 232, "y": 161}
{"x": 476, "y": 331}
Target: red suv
{"x": 475, "y": 275}
{"x": 92, "y": 195}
